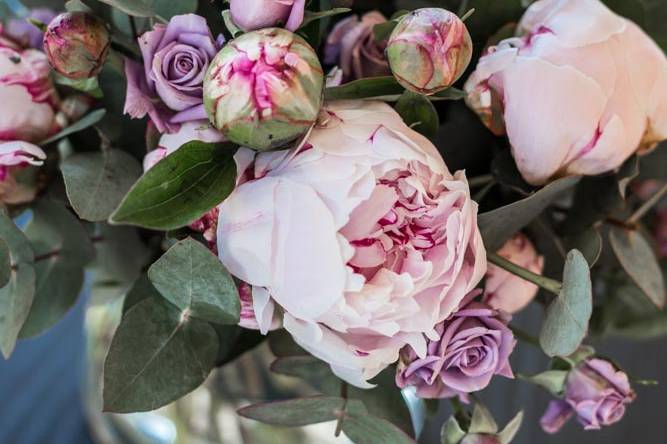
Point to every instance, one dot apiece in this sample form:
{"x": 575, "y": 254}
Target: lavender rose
{"x": 169, "y": 87}
{"x": 596, "y": 392}
{"x": 353, "y": 47}
{"x": 475, "y": 344}
{"x": 251, "y": 15}
{"x": 28, "y": 34}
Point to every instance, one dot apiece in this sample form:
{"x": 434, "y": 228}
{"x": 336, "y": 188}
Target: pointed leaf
{"x": 85, "y": 122}
{"x": 157, "y": 356}
{"x": 566, "y": 323}
{"x": 141, "y": 289}
{"x": 451, "y": 432}
{"x": 552, "y": 381}
{"x": 97, "y": 182}
{"x": 367, "y": 429}
{"x": 509, "y": 432}
{"x": 482, "y": 421}
{"x": 193, "y": 279}
{"x": 299, "y": 412}
{"x": 639, "y": 261}
{"x": 365, "y": 88}
{"x": 418, "y": 113}
{"x": 136, "y": 8}
{"x": 589, "y": 242}
{"x": 5, "y": 263}
{"x": 180, "y": 188}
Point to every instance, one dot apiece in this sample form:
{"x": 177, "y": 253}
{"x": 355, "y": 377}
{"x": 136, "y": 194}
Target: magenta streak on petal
{"x": 4, "y": 172}
{"x": 590, "y": 145}
{"x": 541, "y": 30}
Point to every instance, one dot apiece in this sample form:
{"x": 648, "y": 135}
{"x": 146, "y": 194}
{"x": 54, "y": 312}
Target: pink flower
{"x": 577, "y": 96}
{"x": 505, "y": 291}
{"x": 251, "y": 15}
{"x": 14, "y": 156}
{"x": 362, "y": 240}
{"x": 596, "y": 392}
{"x": 473, "y": 345}
{"x": 351, "y": 45}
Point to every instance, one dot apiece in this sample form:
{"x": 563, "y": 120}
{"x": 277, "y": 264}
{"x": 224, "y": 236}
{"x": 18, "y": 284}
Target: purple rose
{"x": 353, "y": 47}
{"x": 475, "y": 344}
{"x": 169, "y": 87}
{"x": 251, "y": 15}
{"x": 596, "y": 391}
{"x": 27, "y": 33}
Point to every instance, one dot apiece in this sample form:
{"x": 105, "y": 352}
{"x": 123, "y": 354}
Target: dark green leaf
{"x": 141, "y": 289}
{"x": 136, "y": 8}
{"x": 499, "y": 225}
{"x": 566, "y": 323}
{"x": 365, "y": 88}
{"x": 5, "y": 263}
{"x": 418, "y": 113}
{"x": 180, "y": 188}
{"x": 366, "y": 429}
{"x": 639, "y": 261}
{"x": 157, "y": 356}
{"x": 121, "y": 254}
{"x": 194, "y": 280}
{"x": 589, "y": 242}
{"x": 235, "y": 341}
{"x": 282, "y": 344}
{"x": 64, "y": 248}
{"x": 97, "y": 182}
{"x": 311, "y": 16}
{"x": 382, "y": 31}
{"x": 450, "y": 93}
{"x": 85, "y": 122}
{"x": 298, "y": 412}
{"x": 17, "y": 295}
{"x": 169, "y": 8}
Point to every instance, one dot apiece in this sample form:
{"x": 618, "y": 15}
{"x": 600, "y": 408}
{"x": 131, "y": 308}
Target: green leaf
{"x": 136, "y": 8}
{"x": 418, "y": 113}
{"x": 482, "y": 421}
{"x": 63, "y": 246}
{"x": 451, "y": 432}
{"x": 382, "y": 31}
{"x": 180, "y": 188}
{"x": 16, "y": 296}
{"x": 509, "y": 432}
{"x": 450, "y": 93}
{"x": 365, "y": 88}
{"x": 5, "y": 263}
{"x": 121, "y": 254}
{"x": 580, "y": 355}
{"x": 589, "y": 242}
{"x": 299, "y": 412}
{"x": 311, "y": 16}
{"x": 566, "y": 323}
{"x": 639, "y": 261}
{"x": 87, "y": 121}
{"x": 96, "y": 182}
{"x": 89, "y": 86}
{"x": 141, "y": 289}
{"x": 235, "y": 341}
{"x": 499, "y": 225}
{"x": 193, "y": 279}
{"x": 366, "y": 429}
{"x": 552, "y": 381}
{"x": 157, "y": 356}
{"x": 168, "y": 8}
{"x": 282, "y": 344}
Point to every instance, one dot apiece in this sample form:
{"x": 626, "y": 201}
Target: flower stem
{"x": 653, "y": 201}
{"x": 550, "y": 285}
{"x": 343, "y": 394}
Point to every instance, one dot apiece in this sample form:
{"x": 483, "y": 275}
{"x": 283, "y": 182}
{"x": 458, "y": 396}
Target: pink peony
{"x": 580, "y": 90}
{"x": 361, "y": 241}
{"x": 505, "y": 291}
{"x": 15, "y": 155}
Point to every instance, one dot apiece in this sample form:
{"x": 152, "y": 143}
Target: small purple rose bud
{"x": 264, "y": 89}
{"x": 250, "y": 15}
{"x": 77, "y": 44}
{"x": 429, "y": 50}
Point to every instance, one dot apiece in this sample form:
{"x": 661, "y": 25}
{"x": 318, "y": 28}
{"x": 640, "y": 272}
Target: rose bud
{"x": 472, "y": 346}
{"x": 365, "y": 223}
{"x": 574, "y": 97}
{"x": 264, "y": 89}
{"x": 352, "y": 46}
{"x": 596, "y": 392}
{"x": 77, "y": 44}
{"x": 505, "y": 291}
{"x": 250, "y": 15}
{"x": 26, "y": 33}
{"x": 429, "y": 50}
{"x": 14, "y": 157}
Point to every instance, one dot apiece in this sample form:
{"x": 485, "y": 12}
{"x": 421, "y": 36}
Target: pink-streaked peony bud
{"x": 77, "y": 44}
{"x": 429, "y": 50}
{"x": 264, "y": 89}
{"x": 505, "y": 291}
{"x": 596, "y": 392}
{"x": 251, "y": 15}
{"x": 472, "y": 346}
{"x": 16, "y": 156}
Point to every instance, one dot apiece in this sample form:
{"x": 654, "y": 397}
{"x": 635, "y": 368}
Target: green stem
{"x": 463, "y": 7}
{"x": 343, "y": 394}
{"x": 641, "y": 212}
{"x": 550, "y": 285}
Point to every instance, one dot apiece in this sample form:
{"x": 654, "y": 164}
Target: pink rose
{"x": 251, "y": 15}
{"x": 473, "y": 345}
{"x": 361, "y": 241}
{"x": 596, "y": 392}
{"x": 505, "y": 291}
{"x": 577, "y": 96}
{"x": 352, "y": 46}
{"x": 14, "y": 156}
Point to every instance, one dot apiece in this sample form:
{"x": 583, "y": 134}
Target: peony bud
{"x": 77, "y": 44}
{"x": 429, "y": 50}
{"x": 250, "y": 15}
{"x": 264, "y": 89}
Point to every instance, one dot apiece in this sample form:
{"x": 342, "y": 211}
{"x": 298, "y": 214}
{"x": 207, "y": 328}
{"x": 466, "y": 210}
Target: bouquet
{"x": 373, "y": 187}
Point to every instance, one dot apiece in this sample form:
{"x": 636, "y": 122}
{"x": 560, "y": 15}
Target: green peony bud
{"x": 429, "y": 50}
{"x": 264, "y": 89}
{"x": 77, "y": 44}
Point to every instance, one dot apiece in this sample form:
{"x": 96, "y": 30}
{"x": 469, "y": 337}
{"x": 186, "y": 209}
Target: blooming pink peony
{"x": 14, "y": 156}
{"x": 361, "y": 241}
{"x": 505, "y": 291}
{"x": 580, "y": 90}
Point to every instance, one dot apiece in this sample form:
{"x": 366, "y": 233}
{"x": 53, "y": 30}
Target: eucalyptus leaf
{"x": 89, "y": 86}
{"x": 5, "y": 263}
{"x": 168, "y": 8}
{"x": 96, "y": 182}
{"x": 382, "y": 31}
{"x": 482, "y": 421}
{"x": 136, "y": 8}
{"x": 589, "y": 242}
{"x": 451, "y": 432}
{"x": 499, "y": 225}
{"x": 120, "y": 254}
{"x": 418, "y": 113}
{"x": 365, "y": 88}
{"x": 180, "y": 188}
{"x": 299, "y": 412}
{"x": 566, "y": 323}
{"x": 235, "y": 341}
{"x": 367, "y": 429}
{"x": 64, "y": 248}
{"x": 638, "y": 260}
{"x": 552, "y": 381}
{"x": 193, "y": 279}
{"x": 157, "y": 355}
{"x": 511, "y": 429}
{"x": 87, "y": 121}
{"x": 140, "y": 290}
{"x": 17, "y": 295}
